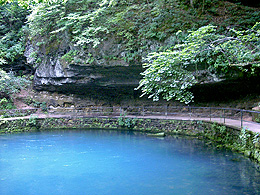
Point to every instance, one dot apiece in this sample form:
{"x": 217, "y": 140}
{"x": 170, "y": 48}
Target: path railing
{"x": 185, "y": 112}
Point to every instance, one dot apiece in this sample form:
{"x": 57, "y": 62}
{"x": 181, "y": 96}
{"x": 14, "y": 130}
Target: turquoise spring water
{"x": 120, "y": 162}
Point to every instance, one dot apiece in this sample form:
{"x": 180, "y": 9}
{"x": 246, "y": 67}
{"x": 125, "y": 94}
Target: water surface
{"x": 120, "y": 162}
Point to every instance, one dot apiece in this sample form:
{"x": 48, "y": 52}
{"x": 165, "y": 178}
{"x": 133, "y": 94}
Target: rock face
{"x": 102, "y": 72}
{"x": 101, "y": 69}
{"x": 55, "y": 77}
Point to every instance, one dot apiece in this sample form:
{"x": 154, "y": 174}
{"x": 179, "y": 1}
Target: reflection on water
{"x": 115, "y": 162}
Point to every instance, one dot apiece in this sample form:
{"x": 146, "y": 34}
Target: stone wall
{"x": 244, "y": 141}
{"x": 147, "y": 125}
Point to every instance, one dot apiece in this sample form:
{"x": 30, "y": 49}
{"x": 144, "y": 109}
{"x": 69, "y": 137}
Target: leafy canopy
{"x": 139, "y": 26}
{"x": 172, "y": 73}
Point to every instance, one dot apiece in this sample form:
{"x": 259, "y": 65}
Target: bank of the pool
{"x": 244, "y": 141}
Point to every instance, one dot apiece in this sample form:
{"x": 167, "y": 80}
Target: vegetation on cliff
{"x": 173, "y": 72}
{"x": 133, "y": 23}
{"x": 139, "y": 26}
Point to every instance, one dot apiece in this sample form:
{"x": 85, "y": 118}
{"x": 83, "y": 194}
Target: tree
{"x": 81, "y": 23}
{"x": 12, "y": 40}
{"x": 171, "y": 73}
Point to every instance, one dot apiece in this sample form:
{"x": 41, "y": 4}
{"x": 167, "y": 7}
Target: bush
{"x": 10, "y": 84}
{"x": 126, "y": 122}
{"x": 6, "y": 104}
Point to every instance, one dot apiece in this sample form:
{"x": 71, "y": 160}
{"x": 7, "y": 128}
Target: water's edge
{"x": 244, "y": 141}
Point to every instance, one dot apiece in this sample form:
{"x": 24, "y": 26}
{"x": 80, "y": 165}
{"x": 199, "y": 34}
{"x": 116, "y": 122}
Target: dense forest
{"x": 174, "y": 40}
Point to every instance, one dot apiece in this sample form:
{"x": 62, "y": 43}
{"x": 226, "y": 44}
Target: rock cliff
{"x": 95, "y": 48}
{"x": 91, "y": 69}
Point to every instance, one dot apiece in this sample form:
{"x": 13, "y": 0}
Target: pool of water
{"x": 120, "y": 162}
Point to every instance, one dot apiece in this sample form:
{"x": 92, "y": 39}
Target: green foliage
{"x": 126, "y": 122}
{"x": 44, "y": 107}
{"x": 138, "y": 26}
{"x": 256, "y": 139}
{"x": 220, "y": 133}
{"x": 245, "y": 138}
{"x": 246, "y": 141}
{"x": 173, "y": 72}
{"x": 33, "y": 122}
{"x": 6, "y": 104}
{"x": 137, "y": 22}
{"x": 133, "y": 23}
{"x": 10, "y": 84}
{"x": 166, "y": 76}
{"x": 235, "y": 48}
{"x": 79, "y": 21}
{"x": 12, "y": 40}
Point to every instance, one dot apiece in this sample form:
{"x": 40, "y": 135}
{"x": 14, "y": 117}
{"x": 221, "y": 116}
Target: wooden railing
{"x": 133, "y": 111}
